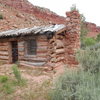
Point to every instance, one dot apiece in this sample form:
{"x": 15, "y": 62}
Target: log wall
{"x": 42, "y": 52}
{"x": 4, "y": 52}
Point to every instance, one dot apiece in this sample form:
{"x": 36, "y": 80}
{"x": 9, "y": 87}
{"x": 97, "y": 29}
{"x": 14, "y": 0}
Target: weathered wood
{"x": 5, "y": 48}
{"x": 59, "y": 44}
{"x": 4, "y": 57}
{"x": 3, "y": 44}
{"x": 3, "y": 61}
{"x": 24, "y": 63}
{"x": 42, "y": 44}
{"x": 3, "y": 52}
{"x": 60, "y": 51}
{"x": 61, "y": 31}
{"x": 21, "y": 43}
{"x": 34, "y": 59}
{"x": 60, "y": 59}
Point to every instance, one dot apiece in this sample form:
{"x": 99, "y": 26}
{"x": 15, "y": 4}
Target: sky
{"x": 89, "y": 8}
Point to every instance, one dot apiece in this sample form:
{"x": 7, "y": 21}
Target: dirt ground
{"x": 38, "y": 83}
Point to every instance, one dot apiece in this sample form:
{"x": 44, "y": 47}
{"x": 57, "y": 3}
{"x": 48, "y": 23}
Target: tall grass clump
{"x": 17, "y": 75}
{"x": 5, "y": 85}
{"x": 3, "y": 79}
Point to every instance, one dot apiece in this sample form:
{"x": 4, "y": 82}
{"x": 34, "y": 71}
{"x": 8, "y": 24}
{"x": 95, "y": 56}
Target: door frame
{"x": 10, "y": 60}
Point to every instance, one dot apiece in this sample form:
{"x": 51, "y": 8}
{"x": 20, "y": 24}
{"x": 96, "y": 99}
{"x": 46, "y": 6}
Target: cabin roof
{"x": 35, "y": 30}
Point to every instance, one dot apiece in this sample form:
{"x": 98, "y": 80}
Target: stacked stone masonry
{"x": 64, "y": 45}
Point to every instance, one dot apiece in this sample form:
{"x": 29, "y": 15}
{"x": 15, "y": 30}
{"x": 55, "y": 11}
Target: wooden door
{"x": 14, "y": 51}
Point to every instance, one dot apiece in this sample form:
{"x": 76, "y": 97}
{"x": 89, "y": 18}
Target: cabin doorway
{"x": 14, "y": 45}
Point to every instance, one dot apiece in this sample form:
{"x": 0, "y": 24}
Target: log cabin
{"x": 41, "y": 45}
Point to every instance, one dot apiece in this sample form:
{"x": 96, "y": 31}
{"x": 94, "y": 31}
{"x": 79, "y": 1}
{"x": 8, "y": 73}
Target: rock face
{"x": 13, "y": 18}
{"x": 38, "y": 12}
{"x": 93, "y": 29}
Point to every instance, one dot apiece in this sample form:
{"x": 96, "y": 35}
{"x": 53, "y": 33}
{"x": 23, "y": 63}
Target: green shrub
{"x": 89, "y": 59}
{"x": 98, "y": 38}
{"x": 1, "y": 16}
{"x": 8, "y": 88}
{"x": 89, "y": 41}
{"x": 16, "y": 73}
{"x": 3, "y": 79}
{"x": 76, "y": 85}
{"x": 94, "y": 47}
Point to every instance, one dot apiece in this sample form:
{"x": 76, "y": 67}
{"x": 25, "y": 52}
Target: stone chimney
{"x": 72, "y": 36}
{"x": 63, "y": 46}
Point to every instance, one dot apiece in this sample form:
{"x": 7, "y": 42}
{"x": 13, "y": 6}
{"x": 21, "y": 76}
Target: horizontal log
{"x": 3, "y": 48}
{"x": 4, "y": 57}
{"x": 42, "y": 51}
{"x": 34, "y": 59}
{"x": 42, "y": 47}
{"x": 53, "y": 60}
{"x": 42, "y": 37}
{"x": 3, "y": 43}
{"x": 3, "y": 61}
{"x": 42, "y": 40}
{"x": 21, "y": 43}
{"x": 59, "y": 37}
{"x": 24, "y": 63}
{"x": 59, "y": 44}
{"x": 21, "y": 53}
{"x": 42, "y": 44}
{"x": 60, "y": 51}
{"x": 60, "y": 59}
{"x": 3, "y": 52}
{"x": 38, "y": 54}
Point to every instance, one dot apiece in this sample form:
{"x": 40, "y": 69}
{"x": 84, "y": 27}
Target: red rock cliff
{"x": 39, "y": 12}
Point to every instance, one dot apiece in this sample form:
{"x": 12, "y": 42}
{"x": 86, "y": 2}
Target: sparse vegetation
{"x": 76, "y": 85}
{"x": 3, "y": 79}
{"x": 80, "y": 84}
{"x": 89, "y": 60}
{"x": 6, "y": 85}
{"x": 89, "y": 42}
{"x": 98, "y": 38}
{"x": 17, "y": 75}
{"x": 13, "y": 86}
